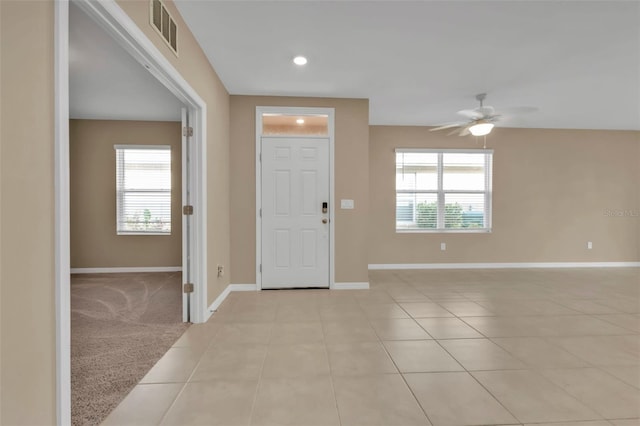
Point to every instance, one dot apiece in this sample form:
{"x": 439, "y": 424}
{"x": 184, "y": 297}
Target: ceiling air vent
{"x": 162, "y": 21}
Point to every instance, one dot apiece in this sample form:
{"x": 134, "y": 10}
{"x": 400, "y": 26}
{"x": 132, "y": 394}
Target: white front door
{"x": 295, "y": 212}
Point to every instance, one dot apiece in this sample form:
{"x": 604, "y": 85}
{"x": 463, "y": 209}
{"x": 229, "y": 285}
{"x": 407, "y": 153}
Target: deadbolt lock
{"x": 324, "y": 207}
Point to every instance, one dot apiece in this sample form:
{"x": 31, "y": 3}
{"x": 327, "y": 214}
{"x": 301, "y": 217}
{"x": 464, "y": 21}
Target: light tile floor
{"x": 553, "y": 347}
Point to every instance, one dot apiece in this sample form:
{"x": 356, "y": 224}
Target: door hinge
{"x": 261, "y": 267}
{"x": 187, "y": 288}
{"x": 187, "y": 210}
{"x": 187, "y": 131}
{"x": 260, "y": 157}
{"x": 260, "y": 212}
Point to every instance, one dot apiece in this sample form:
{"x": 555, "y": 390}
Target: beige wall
{"x": 351, "y": 181}
{"x": 27, "y": 373}
{"x": 637, "y": 179}
{"x": 94, "y": 241}
{"x": 195, "y": 68}
{"x": 1, "y": 85}
{"x": 550, "y": 192}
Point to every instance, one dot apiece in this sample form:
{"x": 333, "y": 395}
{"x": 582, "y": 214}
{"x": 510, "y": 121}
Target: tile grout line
{"x": 259, "y": 382}
{"x": 404, "y": 380}
{"x": 533, "y": 368}
{"x": 184, "y": 385}
{"x": 173, "y": 402}
{"x": 474, "y": 378}
{"x": 333, "y": 386}
{"x": 465, "y": 369}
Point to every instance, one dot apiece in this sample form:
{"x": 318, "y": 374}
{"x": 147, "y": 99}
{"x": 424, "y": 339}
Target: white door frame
{"x": 109, "y": 15}
{"x": 330, "y": 112}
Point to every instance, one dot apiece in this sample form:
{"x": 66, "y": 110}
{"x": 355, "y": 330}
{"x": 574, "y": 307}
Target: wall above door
{"x": 106, "y": 83}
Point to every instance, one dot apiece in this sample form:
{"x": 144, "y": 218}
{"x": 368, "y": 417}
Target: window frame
{"x": 440, "y": 192}
{"x": 121, "y": 192}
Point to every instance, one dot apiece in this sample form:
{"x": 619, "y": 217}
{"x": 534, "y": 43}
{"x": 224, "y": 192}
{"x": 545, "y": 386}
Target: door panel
{"x": 282, "y": 192}
{"x": 295, "y": 241}
{"x": 282, "y": 248}
{"x": 309, "y": 245}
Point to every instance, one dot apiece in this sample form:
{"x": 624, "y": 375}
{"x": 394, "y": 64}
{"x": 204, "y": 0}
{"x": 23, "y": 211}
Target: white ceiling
{"x": 105, "y": 82}
{"x": 421, "y": 61}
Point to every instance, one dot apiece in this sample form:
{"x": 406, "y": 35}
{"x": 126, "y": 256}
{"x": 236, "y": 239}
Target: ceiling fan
{"x": 480, "y": 120}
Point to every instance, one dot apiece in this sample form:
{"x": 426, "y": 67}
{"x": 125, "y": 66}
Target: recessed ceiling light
{"x": 300, "y": 60}
{"x": 300, "y": 121}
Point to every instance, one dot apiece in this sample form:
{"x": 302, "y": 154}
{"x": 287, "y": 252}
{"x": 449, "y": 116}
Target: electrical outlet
{"x": 589, "y": 245}
{"x": 220, "y": 270}
{"x": 443, "y": 246}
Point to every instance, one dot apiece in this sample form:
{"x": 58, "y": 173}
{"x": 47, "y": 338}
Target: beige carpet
{"x": 121, "y": 325}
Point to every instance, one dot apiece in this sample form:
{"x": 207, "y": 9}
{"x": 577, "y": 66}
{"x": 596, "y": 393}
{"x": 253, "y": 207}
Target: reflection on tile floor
{"x": 442, "y": 347}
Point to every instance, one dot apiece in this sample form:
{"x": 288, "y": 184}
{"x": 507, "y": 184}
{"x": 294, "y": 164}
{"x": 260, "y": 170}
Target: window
{"x": 303, "y": 124}
{"x": 143, "y": 189}
{"x": 444, "y": 190}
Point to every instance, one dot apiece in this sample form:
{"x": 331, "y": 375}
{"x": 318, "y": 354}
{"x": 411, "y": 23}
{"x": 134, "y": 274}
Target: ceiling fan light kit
{"x": 480, "y": 121}
{"x": 481, "y": 128}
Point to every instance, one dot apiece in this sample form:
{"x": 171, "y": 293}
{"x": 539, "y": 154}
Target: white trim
{"x": 301, "y": 135}
{"x": 523, "y": 265}
{"x": 445, "y": 151}
{"x": 138, "y": 233}
{"x": 185, "y": 149}
{"x": 109, "y": 15}
{"x": 163, "y": 147}
{"x": 216, "y": 303}
{"x": 243, "y": 287}
{"x": 221, "y": 298}
{"x": 122, "y": 192}
{"x": 441, "y": 193}
{"x": 330, "y": 113}
{"x": 351, "y": 286}
{"x": 126, "y": 269}
{"x": 62, "y": 214}
{"x": 444, "y": 231}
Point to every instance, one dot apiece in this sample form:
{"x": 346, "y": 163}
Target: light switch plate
{"x": 346, "y": 204}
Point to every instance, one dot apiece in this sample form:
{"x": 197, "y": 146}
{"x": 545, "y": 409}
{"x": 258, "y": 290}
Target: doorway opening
{"x": 294, "y": 197}
{"x": 108, "y": 15}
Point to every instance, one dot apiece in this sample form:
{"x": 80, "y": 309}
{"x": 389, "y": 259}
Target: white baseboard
{"x": 524, "y": 265}
{"x": 118, "y": 270}
{"x": 243, "y": 287}
{"x": 351, "y": 286}
{"x": 252, "y": 287}
{"x": 231, "y": 287}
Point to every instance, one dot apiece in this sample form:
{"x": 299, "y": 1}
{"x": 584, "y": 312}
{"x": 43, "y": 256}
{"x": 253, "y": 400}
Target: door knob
{"x": 325, "y": 220}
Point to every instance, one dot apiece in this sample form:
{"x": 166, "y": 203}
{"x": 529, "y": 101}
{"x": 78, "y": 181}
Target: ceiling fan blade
{"x": 453, "y": 132}
{"x": 473, "y": 114}
{"x": 464, "y": 131}
{"x": 446, "y": 126}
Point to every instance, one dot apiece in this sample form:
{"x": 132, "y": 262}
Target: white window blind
{"x": 443, "y": 190}
{"x": 143, "y": 189}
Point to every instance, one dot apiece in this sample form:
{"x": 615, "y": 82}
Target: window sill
{"x": 444, "y": 231}
{"x": 165, "y": 234}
